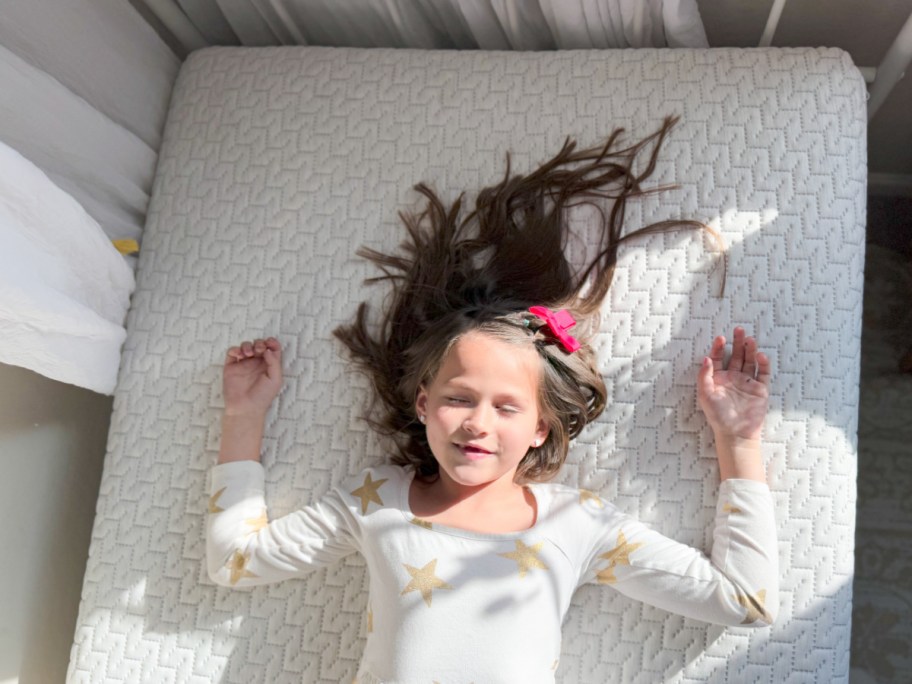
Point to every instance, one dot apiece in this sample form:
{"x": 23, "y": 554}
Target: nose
{"x": 478, "y": 421}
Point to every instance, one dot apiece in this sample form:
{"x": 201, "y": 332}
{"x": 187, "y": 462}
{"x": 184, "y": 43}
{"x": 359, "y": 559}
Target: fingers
{"x": 705, "y": 376}
{"x": 763, "y": 366}
{"x": 258, "y": 347}
{"x": 744, "y": 357}
{"x": 750, "y": 357}
{"x": 736, "y": 363}
{"x": 717, "y": 353}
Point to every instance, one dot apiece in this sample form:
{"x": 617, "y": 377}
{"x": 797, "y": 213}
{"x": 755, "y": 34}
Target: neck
{"x": 449, "y": 493}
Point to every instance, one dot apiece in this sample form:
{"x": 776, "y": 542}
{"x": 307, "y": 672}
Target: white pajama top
{"x": 453, "y": 606}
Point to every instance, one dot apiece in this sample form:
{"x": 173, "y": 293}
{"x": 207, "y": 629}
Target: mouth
{"x": 472, "y": 452}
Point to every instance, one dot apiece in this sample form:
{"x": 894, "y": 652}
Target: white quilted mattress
{"x": 277, "y": 163}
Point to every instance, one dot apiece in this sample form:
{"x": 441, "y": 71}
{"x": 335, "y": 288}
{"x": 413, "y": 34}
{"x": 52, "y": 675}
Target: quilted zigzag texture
{"x": 278, "y": 162}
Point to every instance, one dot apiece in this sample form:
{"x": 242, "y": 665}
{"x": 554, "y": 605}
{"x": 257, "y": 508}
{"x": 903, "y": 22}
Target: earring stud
{"x": 422, "y": 419}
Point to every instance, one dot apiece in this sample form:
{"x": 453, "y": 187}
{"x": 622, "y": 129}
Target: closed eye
{"x": 457, "y": 400}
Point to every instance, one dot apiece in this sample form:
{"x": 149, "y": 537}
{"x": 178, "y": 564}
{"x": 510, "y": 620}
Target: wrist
{"x": 739, "y": 458}
{"x": 245, "y": 413}
{"x": 242, "y": 436}
{"x": 737, "y": 443}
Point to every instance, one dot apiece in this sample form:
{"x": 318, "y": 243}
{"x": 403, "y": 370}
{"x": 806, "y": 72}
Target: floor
{"x": 882, "y": 605}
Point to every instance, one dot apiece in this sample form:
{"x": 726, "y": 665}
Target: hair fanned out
{"x": 508, "y": 254}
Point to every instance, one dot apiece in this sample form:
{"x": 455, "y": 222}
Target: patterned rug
{"x": 882, "y": 608}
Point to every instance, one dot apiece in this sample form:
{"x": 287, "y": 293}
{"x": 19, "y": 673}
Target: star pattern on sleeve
{"x": 368, "y": 492}
{"x": 619, "y": 555}
{"x": 238, "y": 566}
{"x": 424, "y": 580}
{"x": 370, "y": 620}
{"x": 586, "y": 495}
{"x": 257, "y": 524}
{"x": 728, "y": 508}
{"x": 756, "y": 607}
{"x": 213, "y": 505}
{"x": 526, "y": 557}
{"x": 606, "y": 575}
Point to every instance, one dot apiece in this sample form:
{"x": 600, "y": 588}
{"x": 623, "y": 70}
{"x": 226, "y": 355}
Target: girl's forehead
{"x": 480, "y": 358}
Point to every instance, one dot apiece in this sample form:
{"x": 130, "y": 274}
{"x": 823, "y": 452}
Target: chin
{"x": 473, "y": 474}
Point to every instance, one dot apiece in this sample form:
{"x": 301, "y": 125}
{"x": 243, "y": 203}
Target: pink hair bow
{"x": 559, "y": 322}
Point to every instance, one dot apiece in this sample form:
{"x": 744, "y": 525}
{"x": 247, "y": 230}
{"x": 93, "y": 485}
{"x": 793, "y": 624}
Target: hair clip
{"x": 559, "y": 322}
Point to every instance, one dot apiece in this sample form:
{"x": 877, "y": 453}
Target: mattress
{"x": 277, "y": 163}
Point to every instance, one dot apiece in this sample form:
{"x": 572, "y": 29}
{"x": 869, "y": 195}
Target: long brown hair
{"x": 483, "y": 273}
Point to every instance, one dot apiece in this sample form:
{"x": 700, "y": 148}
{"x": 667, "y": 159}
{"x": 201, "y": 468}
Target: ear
{"x": 421, "y": 401}
{"x": 541, "y": 431}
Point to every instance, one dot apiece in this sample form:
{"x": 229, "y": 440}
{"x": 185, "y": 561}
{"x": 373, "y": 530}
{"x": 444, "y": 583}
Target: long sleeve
{"x": 738, "y": 585}
{"x": 243, "y": 548}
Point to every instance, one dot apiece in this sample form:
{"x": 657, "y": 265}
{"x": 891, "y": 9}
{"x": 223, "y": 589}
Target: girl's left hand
{"x": 735, "y": 399}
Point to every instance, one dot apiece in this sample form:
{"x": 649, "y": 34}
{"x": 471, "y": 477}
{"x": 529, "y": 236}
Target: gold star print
{"x": 728, "y": 508}
{"x": 606, "y": 575}
{"x": 238, "y": 565}
{"x": 586, "y": 495}
{"x": 424, "y": 580}
{"x": 368, "y": 492}
{"x": 619, "y": 555}
{"x": 421, "y": 523}
{"x": 370, "y": 621}
{"x": 213, "y": 507}
{"x": 526, "y": 557}
{"x": 756, "y": 610}
{"x": 259, "y": 523}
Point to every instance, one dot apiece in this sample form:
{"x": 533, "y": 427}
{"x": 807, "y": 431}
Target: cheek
{"x": 444, "y": 420}
{"x": 522, "y": 431}
{"x": 451, "y": 413}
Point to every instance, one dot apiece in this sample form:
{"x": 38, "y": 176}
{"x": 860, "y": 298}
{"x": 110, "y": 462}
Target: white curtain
{"x": 85, "y": 89}
{"x": 442, "y": 24}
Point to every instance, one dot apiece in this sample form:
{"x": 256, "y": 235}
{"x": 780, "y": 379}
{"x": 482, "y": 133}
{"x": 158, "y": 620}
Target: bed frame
{"x": 278, "y": 162}
{"x": 882, "y": 78}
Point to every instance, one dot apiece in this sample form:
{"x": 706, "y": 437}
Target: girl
{"x": 483, "y": 374}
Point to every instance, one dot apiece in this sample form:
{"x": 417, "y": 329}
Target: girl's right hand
{"x": 252, "y": 377}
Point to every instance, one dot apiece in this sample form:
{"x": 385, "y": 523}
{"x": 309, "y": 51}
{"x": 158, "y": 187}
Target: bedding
{"x": 277, "y": 163}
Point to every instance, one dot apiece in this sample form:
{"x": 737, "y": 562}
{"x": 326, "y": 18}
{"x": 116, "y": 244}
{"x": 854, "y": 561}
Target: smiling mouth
{"x": 472, "y": 452}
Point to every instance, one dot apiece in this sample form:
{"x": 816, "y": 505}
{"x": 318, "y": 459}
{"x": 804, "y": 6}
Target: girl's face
{"x": 482, "y": 411}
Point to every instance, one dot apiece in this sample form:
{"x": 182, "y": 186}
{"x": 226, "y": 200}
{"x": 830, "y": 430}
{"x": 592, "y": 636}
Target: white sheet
{"x": 64, "y": 288}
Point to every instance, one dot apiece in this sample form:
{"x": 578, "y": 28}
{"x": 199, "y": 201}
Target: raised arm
{"x": 738, "y": 583}
{"x": 243, "y": 548}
